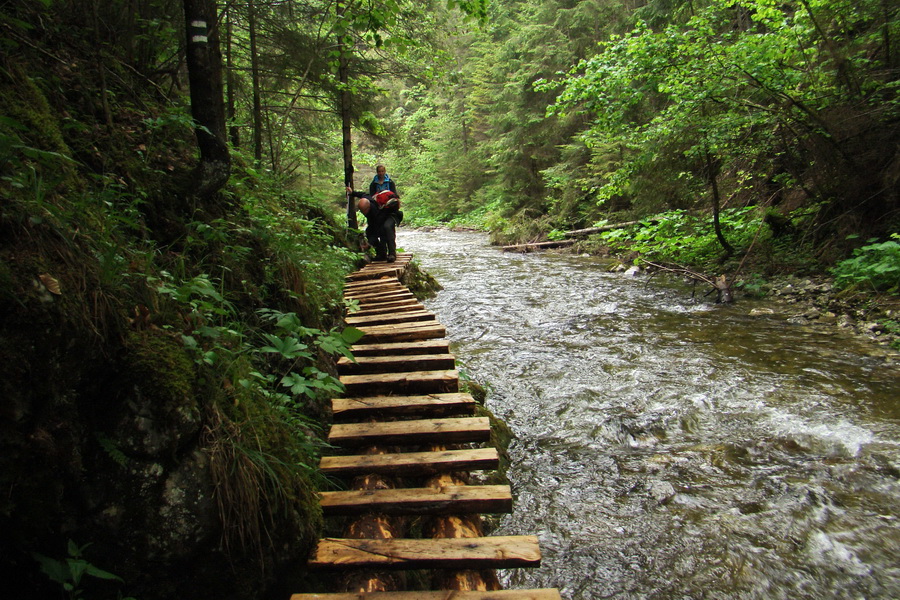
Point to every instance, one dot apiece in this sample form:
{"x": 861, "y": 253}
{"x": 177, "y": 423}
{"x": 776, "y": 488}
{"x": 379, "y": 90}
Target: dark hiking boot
{"x": 391, "y": 258}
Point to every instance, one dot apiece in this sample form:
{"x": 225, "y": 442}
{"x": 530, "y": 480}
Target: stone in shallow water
{"x": 662, "y": 491}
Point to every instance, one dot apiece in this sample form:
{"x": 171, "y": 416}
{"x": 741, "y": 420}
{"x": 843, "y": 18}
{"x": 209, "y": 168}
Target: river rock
{"x": 661, "y": 491}
{"x": 786, "y": 290}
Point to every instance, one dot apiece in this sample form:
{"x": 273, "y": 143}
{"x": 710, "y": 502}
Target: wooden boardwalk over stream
{"x": 407, "y": 440}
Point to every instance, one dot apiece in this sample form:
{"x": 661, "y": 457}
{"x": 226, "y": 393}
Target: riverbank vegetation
{"x": 745, "y": 138}
{"x": 563, "y": 114}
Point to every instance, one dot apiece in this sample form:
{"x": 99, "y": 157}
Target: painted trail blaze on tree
{"x": 204, "y": 61}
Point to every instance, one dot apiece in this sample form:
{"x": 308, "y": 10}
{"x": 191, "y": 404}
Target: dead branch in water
{"x": 720, "y": 284}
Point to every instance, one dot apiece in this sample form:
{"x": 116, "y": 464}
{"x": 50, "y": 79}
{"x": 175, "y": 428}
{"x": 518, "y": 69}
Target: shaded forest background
{"x": 168, "y": 331}
{"x": 563, "y": 115}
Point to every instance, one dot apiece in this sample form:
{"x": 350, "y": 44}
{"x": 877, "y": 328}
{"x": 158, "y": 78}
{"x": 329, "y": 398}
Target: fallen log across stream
{"x": 569, "y": 238}
{"x": 408, "y": 440}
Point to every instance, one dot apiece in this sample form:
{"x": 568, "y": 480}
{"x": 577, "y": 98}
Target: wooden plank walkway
{"x": 406, "y": 439}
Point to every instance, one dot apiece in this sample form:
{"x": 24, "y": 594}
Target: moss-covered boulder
{"x": 158, "y": 411}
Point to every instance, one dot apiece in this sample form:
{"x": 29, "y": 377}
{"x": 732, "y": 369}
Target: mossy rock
{"x": 421, "y": 283}
{"x": 24, "y": 102}
{"x": 158, "y": 412}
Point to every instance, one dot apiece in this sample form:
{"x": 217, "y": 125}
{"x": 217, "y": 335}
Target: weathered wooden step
{"x": 376, "y": 292}
{"x": 391, "y": 318}
{"x": 385, "y": 266}
{"x": 532, "y": 594}
{"x": 430, "y": 405}
{"x": 374, "y": 284}
{"x": 396, "y": 364}
{"x": 402, "y": 332}
{"x": 380, "y": 290}
{"x": 415, "y": 382}
{"x": 365, "y": 297}
{"x": 446, "y": 500}
{"x": 499, "y": 552}
{"x": 402, "y": 258}
{"x": 411, "y": 433}
{"x": 411, "y": 463}
{"x": 389, "y": 307}
{"x": 394, "y": 271}
{"x": 433, "y": 346}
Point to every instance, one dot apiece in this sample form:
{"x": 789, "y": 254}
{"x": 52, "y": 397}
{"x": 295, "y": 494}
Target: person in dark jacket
{"x": 381, "y": 181}
{"x": 382, "y": 211}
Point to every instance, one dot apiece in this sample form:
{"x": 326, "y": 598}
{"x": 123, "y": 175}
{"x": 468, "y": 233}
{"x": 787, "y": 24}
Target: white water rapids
{"x": 669, "y": 448}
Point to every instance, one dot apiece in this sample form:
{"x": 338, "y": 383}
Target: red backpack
{"x": 382, "y": 197}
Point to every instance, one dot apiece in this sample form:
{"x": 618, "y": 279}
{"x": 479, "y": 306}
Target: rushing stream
{"x": 669, "y": 447}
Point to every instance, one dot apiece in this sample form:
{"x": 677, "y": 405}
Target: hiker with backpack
{"x": 381, "y": 181}
{"x": 383, "y": 215}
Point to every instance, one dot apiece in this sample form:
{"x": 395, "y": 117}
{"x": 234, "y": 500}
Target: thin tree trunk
{"x": 886, "y": 33}
{"x": 712, "y": 171}
{"x": 204, "y": 62}
{"x": 254, "y": 69}
{"x": 101, "y": 69}
{"x": 346, "y": 99}
{"x": 233, "y": 131}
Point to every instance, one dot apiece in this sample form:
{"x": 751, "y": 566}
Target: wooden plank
{"x": 498, "y": 552}
{"x": 394, "y": 273}
{"x": 411, "y": 433}
{"x": 382, "y": 301}
{"x": 401, "y": 259}
{"x": 396, "y": 364}
{"x": 416, "y": 382}
{"x": 400, "y": 326}
{"x": 530, "y": 594}
{"x": 377, "y": 298}
{"x": 456, "y": 526}
{"x": 387, "y": 319}
{"x": 431, "y": 405}
{"x": 376, "y": 289}
{"x": 387, "y": 271}
{"x": 364, "y": 294}
{"x": 389, "y": 307}
{"x": 411, "y": 463}
{"x": 374, "y": 284}
{"x": 406, "y": 332}
{"x": 434, "y": 346}
{"x": 446, "y": 500}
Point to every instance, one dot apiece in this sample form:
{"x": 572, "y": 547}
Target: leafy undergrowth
{"x": 117, "y": 288}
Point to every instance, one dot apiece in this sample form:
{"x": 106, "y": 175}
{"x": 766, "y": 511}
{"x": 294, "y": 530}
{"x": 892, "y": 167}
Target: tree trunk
{"x": 254, "y": 70}
{"x": 233, "y": 131}
{"x": 712, "y": 172}
{"x": 101, "y": 69}
{"x": 345, "y": 101}
{"x": 204, "y": 62}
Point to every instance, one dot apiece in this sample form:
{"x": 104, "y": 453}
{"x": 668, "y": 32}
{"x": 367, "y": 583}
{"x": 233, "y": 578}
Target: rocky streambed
{"x": 815, "y": 301}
